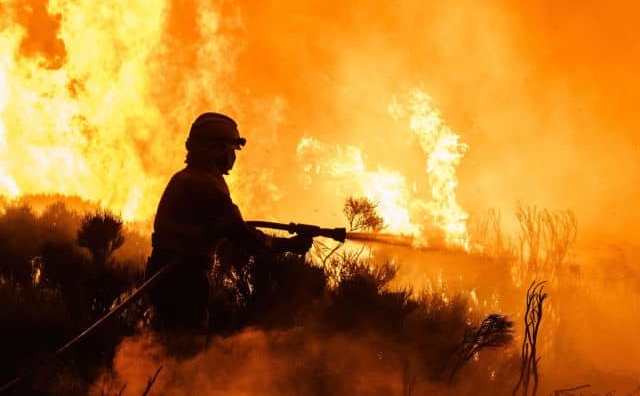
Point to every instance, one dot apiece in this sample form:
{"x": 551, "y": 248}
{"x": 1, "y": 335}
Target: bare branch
{"x": 529, "y": 354}
{"x": 151, "y": 381}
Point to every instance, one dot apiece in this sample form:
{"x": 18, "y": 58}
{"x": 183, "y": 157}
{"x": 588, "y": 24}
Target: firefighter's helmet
{"x": 210, "y": 129}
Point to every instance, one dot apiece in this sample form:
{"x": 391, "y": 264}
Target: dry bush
{"x": 51, "y": 291}
{"x": 344, "y": 263}
{"x": 540, "y": 248}
{"x": 349, "y": 297}
{"x": 545, "y": 238}
{"x": 361, "y": 215}
{"x": 495, "y": 331}
{"x": 488, "y": 238}
{"x": 101, "y": 233}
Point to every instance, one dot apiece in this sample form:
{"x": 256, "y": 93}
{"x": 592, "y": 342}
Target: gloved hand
{"x": 299, "y": 244}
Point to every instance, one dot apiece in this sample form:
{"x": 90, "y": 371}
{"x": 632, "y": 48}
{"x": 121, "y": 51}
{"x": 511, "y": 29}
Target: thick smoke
{"x": 277, "y": 363}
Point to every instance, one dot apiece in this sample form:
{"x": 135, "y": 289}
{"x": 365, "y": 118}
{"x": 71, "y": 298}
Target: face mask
{"x": 230, "y": 159}
{"x": 225, "y": 158}
{"x": 220, "y": 158}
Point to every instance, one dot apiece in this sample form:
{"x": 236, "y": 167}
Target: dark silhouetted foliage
{"x": 495, "y": 331}
{"x": 51, "y": 289}
{"x": 361, "y": 215}
{"x": 101, "y": 233}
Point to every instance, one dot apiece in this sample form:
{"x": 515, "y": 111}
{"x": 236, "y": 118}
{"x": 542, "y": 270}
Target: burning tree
{"x": 101, "y": 233}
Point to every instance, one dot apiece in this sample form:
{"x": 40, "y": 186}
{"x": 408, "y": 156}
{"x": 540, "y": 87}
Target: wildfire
{"x": 402, "y": 209}
{"x": 346, "y": 169}
{"x": 88, "y": 120}
{"x": 444, "y": 152}
{"x": 89, "y": 111}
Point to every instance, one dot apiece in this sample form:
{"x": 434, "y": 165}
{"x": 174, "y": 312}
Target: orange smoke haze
{"x": 96, "y": 100}
{"x": 270, "y": 363}
{"x": 256, "y": 361}
{"x": 541, "y": 93}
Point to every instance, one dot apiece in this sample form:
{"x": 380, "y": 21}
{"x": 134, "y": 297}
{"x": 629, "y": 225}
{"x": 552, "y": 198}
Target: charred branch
{"x": 529, "y": 376}
{"x": 151, "y": 381}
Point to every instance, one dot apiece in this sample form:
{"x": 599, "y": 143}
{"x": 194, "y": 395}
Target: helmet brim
{"x": 239, "y": 143}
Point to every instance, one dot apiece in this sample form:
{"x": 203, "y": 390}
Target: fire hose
{"x": 337, "y": 234}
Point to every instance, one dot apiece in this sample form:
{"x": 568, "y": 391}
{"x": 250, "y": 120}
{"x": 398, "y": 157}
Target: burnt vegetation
{"x": 59, "y": 273}
{"x": 101, "y": 233}
{"x": 50, "y": 288}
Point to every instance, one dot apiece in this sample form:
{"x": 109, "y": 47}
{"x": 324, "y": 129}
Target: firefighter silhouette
{"x": 195, "y": 213}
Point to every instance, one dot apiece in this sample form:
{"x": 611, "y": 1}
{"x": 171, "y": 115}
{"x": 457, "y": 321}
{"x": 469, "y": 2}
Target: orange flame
{"x": 402, "y": 209}
{"x": 93, "y": 120}
{"x": 91, "y": 124}
{"x": 348, "y": 172}
{"x": 444, "y": 152}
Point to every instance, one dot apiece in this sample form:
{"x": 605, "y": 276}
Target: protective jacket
{"x": 194, "y": 214}
{"x": 196, "y": 211}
